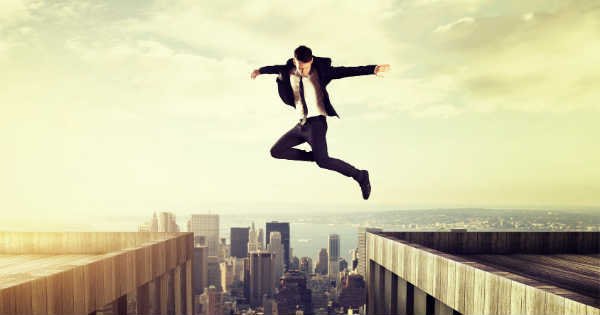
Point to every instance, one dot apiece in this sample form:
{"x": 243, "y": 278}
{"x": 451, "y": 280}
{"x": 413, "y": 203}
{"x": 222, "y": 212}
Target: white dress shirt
{"x": 312, "y": 94}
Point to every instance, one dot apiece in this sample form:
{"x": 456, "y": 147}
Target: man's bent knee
{"x": 275, "y": 153}
{"x": 323, "y": 162}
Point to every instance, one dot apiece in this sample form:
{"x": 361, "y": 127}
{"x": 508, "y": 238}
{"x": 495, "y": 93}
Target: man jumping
{"x": 302, "y": 83}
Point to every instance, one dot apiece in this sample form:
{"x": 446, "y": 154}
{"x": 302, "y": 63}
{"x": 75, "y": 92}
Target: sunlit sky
{"x": 129, "y": 107}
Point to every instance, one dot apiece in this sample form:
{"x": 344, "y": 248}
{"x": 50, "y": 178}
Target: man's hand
{"x": 254, "y": 74}
{"x": 381, "y": 68}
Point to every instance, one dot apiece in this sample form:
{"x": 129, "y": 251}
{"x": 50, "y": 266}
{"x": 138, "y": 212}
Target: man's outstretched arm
{"x": 342, "y": 72}
{"x": 267, "y": 70}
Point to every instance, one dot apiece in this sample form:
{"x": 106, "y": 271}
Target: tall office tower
{"x": 154, "y": 223}
{"x": 294, "y": 263}
{"x": 353, "y": 293}
{"x": 306, "y": 265}
{"x": 165, "y": 222}
{"x": 212, "y": 301}
{"x": 226, "y": 268}
{"x": 239, "y": 241}
{"x": 354, "y": 262}
{"x": 206, "y": 225}
{"x": 334, "y": 255}
{"x": 224, "y": 250}
{"x": 200, "y": 274}
{"x": 261, "y": 276}
{"x": 362, "y": 249}
{"x": 343, "y": 264}
{"x": 253, "y": 244}
{"x": 293, "y": 294}
{"x": 322, "y": 263}
{"x": 246, "y": 280}
{"x": 284, "y": 229}
{"x": 261, "y": 238}
{"x": 214, "y": 272}
{"x": 276, "y": 248}
{"x": 173, "y": 227}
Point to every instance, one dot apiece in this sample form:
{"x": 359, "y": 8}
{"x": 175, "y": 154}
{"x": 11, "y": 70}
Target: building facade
{"x": 261, "y": 274}
{"x": 206, "y": 226}
{"x": 239, "y": 241}
{"x": 362, "y": 248}
{"x": 482, "y": 272}
{"x": 284, "y": 229}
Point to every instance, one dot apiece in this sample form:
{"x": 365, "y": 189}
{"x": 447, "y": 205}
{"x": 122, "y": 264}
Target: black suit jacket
{"x": 326, "y": 73}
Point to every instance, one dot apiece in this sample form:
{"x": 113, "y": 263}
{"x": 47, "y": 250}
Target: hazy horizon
{"x": 141, "y": 106}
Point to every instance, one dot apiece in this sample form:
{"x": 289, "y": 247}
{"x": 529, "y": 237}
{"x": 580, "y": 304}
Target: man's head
{"x": 303, "y": 60}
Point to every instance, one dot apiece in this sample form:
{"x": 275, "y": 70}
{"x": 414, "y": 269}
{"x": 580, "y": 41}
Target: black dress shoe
{"x": 365, "y": 185}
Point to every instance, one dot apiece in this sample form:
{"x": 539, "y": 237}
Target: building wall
{"x": 404, "y": 277}
{"x": 284, "y": 229}
{"x": 362, "y": 249}
{"x": 261, "y": 276}
{"x": 206, "y": 225}
{"x": 200, "y": 269}
{"x": 239, "y": 242}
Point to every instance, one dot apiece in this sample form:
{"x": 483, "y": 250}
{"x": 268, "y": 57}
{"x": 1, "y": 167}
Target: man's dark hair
{"x": 303, "y": 53}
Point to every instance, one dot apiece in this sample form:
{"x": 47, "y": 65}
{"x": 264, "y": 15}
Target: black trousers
{"x": 313, "y": 132}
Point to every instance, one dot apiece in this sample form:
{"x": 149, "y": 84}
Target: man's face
{"x": 303, "y": 67}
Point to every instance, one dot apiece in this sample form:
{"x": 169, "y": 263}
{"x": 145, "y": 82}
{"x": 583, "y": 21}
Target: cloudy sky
{"x": 137, "y": 106}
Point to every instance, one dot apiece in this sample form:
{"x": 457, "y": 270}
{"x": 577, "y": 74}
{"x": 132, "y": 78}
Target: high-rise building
{"x": 206, "y": 225}
{"x": 253, "y": 244}
{"x": 212, "y": 301}
{"x": 343, "y": 264}
{"x": 293, "y": 294}
{"x": 354, "y": 262}
{"x": 261, "y": 276}
{"x": 322, "y": 263}
{"x": 362, "y": 249}
{"x": 214, "y": 272}
{"x": 306, "y": 265}
{"x": 261, "y": 238}
{"x": 334, "y": 256}
{"x": 224, "y": 250}
{"x": 276, "y": 248}
{"x": 200, "y": 274}
{"x": 493, "y": 272}
{"x": 284, "y": 229}
{"x": 294, "y": 263}
{"x": 227, "y": 273}
{"x": 166, "y": 222}
{"x": 353, "y": 293}
{"x": 239, "y": 241}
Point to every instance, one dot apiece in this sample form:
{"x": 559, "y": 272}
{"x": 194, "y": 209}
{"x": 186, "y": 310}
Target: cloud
{"x": 461, "y": 22}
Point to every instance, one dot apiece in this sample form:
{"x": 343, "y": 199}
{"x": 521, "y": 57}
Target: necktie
{"x": 304, "y": 107}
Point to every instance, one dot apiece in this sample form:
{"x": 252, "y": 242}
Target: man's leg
{"x": 283, "y": 148}
{"x": 318, "y": 142}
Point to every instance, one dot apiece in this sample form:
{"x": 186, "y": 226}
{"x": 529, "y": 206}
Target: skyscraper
{"x": 166, "y": 222}
{"x": 362, "y": 249}
{"x": 284, "y": 229}
{"x": 321, "y": 267}
{"x": 206, "y": 225}
{"x": 276, "y": 248}
{"x": 253, "y": 244}
{"x": 293, "y": 294}
{"x": 334, "y": 255}
{"x": 306, "y": 265}
{"x": 261, "y": 276}
{"x": 239, "y": 242}
{"x": 200, "y": 274}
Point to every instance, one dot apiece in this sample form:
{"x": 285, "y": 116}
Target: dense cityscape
{"x": 254, "y": 269}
